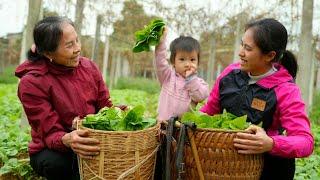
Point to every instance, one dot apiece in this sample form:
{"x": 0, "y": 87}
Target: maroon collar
{"x": 59, "y": 69}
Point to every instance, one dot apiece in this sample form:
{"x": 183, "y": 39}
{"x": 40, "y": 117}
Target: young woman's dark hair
{"x": 271, "y": 35}
{"x": 47, "y": 34}
{"x": 184, "y": 43}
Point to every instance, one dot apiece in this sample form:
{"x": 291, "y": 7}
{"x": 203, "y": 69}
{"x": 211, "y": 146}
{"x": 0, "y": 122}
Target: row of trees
{"x": 219, "y": 32}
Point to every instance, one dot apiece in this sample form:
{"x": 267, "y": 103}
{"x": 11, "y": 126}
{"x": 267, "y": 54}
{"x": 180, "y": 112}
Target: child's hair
{"x": 184, "y": 43}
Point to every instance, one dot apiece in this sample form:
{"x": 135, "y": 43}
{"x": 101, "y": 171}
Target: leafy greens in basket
{"x": 219, "y": 121}
{"x": 114, "y": 119}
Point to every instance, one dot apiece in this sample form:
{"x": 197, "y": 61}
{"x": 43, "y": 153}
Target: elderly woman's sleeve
{"x": 103, "y": 98}
{"x": 41, "y": 116}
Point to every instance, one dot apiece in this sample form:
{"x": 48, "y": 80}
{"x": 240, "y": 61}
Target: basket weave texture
{"x": 219, "y": 158}
{"x": 123, "y": 155}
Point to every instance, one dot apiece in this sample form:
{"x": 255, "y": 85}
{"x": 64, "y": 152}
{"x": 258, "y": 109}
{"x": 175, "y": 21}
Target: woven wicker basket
{"x": 123, "y": 155}
{"x": 219, "y": 158}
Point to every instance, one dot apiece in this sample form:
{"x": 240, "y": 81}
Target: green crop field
{"x": 14, "y": 158}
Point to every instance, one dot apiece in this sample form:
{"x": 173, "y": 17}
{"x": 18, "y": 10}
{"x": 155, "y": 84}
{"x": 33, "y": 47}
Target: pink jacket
{"x": 176, "y": 94}
{"x": 289, "y": 113}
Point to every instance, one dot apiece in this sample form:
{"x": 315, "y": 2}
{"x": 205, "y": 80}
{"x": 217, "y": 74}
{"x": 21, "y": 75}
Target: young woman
{"x": 262, "y": 86}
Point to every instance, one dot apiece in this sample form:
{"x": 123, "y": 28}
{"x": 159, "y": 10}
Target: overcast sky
{"x": 13, "y": 13}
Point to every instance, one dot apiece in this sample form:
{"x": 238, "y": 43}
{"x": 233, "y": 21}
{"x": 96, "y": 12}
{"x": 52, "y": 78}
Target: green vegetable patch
{"x": 149, "y": 36}
{"x": 225, "y": 120}
{"x": 114, "y": 119}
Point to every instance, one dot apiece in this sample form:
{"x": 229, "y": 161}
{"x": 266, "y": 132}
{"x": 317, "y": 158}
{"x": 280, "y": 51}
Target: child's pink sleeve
{"x": 198, "y": 89}
{"x": 161, "y": 64}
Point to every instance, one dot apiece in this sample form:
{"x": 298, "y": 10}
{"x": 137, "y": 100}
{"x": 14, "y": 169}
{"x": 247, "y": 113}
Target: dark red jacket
{"x": 53, "y": 95}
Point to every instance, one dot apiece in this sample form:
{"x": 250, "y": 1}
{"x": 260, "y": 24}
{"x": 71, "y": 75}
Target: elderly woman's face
{"x": 68, "y": 51}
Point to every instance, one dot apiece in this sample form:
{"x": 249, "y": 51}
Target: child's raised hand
{"x": 164, "y": 34}
{"x": 192, "y": 70}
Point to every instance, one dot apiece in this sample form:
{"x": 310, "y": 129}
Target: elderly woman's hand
{"x": 81, "y": 144}
{"x": 254, "y": 143}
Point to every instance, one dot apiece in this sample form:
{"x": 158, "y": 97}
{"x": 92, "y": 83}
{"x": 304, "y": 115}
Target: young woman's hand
{"x": 81, "y": 144}
{"x": 256, "y": 142}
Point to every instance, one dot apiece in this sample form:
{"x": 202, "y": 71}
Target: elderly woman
{"x": 56, "y": 86}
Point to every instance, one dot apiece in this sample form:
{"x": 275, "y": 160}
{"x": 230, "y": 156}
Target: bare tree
{"x": 79, "y": 16}
{"x": 105, "y": 57}
{"x": 109, "y": 17}
{"x": 212, "y": 60}
{"x": 238, "y": 34}
{"x": 95, "y": 46}
{"x": 34, "y": 12}
{"x": 305, "y": 51}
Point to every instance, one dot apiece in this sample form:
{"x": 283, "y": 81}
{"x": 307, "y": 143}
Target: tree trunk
{"x": 34, "y": 12}
{"x": 105, "y": 58}
{"x": 95, "y": 46}
{"x": 210, "y": 71}
{"x": 79, "y": 16}
{"x": 144, "y": 73}
{"x": 2, "y": 67}
{"x": 125, "y": 72}
{"x": 305, "y": 51}
{"x": 238, "y": 35}
{"x": 313, "y": 79}
{"x": 219, "y": 69}
{"x": 118, "y": 68}
{"x": 113, "y": 69}
{"x": 318, "y": 78}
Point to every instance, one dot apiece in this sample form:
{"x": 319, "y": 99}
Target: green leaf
{"x": 148, "y": 122}
{"x": 149, "y": 36}
{"x": 134, "y": 118}
{"x": 218, "y": 121}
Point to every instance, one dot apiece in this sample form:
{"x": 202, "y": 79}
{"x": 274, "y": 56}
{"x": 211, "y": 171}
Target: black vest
{"x": 259, "y": 104}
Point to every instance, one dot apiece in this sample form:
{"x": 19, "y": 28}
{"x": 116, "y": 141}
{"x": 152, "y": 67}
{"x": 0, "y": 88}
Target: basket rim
{"x": 157, "y": 125}
{"x": 221, "y": 130}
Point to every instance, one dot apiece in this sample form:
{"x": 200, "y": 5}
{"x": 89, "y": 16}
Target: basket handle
{"x": 195, "y": 154}
{"x": 134, "y": 168}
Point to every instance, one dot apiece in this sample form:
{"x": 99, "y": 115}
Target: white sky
{"x": 13, "y": 13}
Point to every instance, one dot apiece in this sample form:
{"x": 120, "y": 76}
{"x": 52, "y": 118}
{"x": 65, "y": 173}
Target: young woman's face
{"x": 184, "y": 61}
{"x": 252, "y": 59}
{"x": 68, "y": 51}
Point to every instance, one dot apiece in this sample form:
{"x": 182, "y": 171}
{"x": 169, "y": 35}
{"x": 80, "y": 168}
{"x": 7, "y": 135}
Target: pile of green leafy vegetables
{"x": 149, "y": 36}
{"x": 225, "y": 120}
{"x": 114, "y": 119}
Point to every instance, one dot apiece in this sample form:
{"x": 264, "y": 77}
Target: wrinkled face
{"x": 253, "y": 60}
{"x": 184, "y": 61}
{"x": 68, "y": 51}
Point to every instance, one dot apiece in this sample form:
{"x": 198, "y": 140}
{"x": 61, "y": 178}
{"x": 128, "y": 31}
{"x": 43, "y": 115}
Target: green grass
{"x": 7, "y": 76}
{"x": 14, "y": 140}
{"x": 309, "y": 168}
{"x": 143, "y": 84}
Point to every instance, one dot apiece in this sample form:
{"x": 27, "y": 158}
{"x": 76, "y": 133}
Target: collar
{"x": 254, "y": 79}
{"x": 60, "y": 69}
{"x": 277, "y": 78}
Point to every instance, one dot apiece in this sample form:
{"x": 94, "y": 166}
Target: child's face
{"x": 185, "y": 61}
